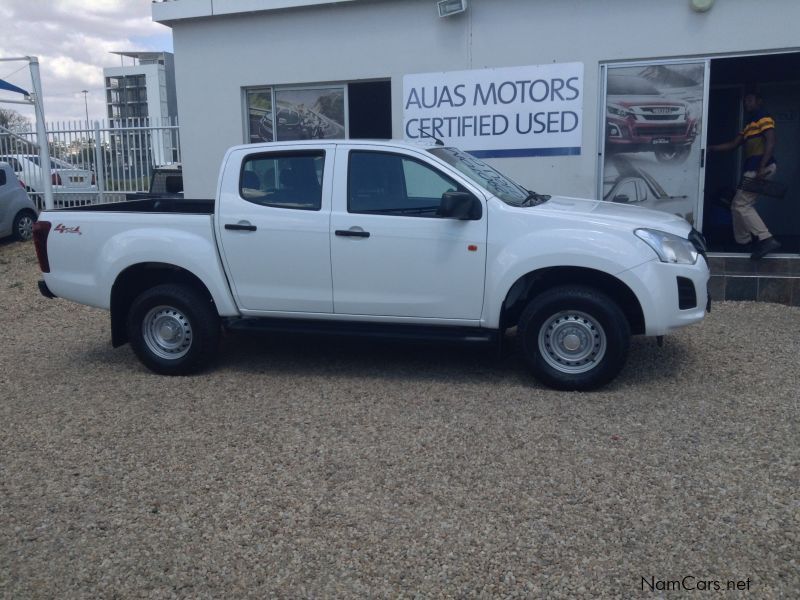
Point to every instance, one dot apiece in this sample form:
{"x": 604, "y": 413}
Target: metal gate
{"x": 92, "y": 164}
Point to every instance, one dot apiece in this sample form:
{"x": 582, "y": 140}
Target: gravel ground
{"x": 308, "y": 468}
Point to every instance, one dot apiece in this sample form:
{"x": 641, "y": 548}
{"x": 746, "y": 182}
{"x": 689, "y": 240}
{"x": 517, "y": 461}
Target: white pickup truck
{"x": 379, "y": 239}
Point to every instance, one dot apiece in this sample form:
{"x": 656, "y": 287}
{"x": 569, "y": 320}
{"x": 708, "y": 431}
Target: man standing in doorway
{"x": 758, "y": 137}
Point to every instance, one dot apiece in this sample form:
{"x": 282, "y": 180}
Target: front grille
{"x": 660, "y": 110}
{"x": 699, "y": 242}
{"x": 687, "y": 296}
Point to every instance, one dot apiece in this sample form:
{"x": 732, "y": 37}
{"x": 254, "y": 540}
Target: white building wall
{"x": 216, "y": 57}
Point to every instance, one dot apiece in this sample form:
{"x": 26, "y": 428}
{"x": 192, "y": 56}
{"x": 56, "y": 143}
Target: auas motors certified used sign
{"x": 516, "y": 111}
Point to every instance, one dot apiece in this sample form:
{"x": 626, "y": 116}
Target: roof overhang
{"x": 169, "y": 11}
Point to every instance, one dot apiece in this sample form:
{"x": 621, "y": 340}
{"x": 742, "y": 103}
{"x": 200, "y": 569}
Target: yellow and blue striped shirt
{"x": 754, "y": 142}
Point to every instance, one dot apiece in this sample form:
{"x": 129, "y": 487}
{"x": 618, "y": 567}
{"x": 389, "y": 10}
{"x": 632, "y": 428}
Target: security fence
{"x": 92, "y": 164}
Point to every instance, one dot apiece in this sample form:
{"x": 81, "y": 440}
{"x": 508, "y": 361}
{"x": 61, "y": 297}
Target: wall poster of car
{"x": 652, "y": 139}
{"x": 259, "y": 115}
{"x": 295, "y": 114}
{"x": 310, "y": 114}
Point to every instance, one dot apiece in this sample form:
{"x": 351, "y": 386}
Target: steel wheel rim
{"x": 572, "y": 342}
{"x": 25, "y": 227}
{"x": 167, "y": 332}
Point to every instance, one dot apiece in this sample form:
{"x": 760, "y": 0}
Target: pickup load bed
{"x": 378, "y": 238}
{"x": 153, "y": 205}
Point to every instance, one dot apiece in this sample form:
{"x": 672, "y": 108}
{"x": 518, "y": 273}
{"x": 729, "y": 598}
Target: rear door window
{"x": 290, "y": 180}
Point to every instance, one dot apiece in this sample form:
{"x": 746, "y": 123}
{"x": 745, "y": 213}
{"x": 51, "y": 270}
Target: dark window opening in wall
{"x": 370, "y": 108}
{"x": 774, "y": 77}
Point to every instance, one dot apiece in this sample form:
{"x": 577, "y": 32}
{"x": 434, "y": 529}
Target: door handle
{"x": 240, "y": 227}
{"x": 351, "y": 233}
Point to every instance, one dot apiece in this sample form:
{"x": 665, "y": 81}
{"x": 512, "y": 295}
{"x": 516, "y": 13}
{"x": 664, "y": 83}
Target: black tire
{"x": 592, "y": 332}
{"x": 22, "y": 228}
{"x": 675, "y": 154}
{"x": 173, "y": 329}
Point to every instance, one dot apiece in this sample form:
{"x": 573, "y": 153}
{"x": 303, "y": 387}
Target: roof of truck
{"x": 416, "y": 145}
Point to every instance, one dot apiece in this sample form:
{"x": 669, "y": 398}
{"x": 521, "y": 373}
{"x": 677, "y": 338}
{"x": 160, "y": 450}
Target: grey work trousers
{"x": 746, "y": 221}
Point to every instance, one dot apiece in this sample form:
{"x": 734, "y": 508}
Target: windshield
{"x": 484, "y": 175}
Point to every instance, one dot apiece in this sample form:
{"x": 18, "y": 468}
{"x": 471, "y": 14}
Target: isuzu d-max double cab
{"x": 380, "y": 239}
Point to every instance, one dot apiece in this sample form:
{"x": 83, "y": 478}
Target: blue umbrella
{"x": 4, "y": 85}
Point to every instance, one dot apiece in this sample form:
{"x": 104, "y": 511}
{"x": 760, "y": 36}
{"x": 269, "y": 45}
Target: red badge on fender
{"x": 61, "y": 228}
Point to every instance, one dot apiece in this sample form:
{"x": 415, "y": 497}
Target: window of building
{"x": 283, "y": 180}
{"x": 354, "y": 110}
{"x": 370, "y": 110}
{"x": 391, "y": 184}
{"x": 259, "y": 115}
{"x": 310, "y": 113}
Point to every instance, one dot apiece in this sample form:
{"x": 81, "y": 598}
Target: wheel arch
{"x": 140, "y": 277}
{"x": 536, "y": 282}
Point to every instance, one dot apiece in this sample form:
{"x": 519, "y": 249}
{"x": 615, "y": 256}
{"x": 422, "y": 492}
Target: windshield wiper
{"x": 534, "y": 199}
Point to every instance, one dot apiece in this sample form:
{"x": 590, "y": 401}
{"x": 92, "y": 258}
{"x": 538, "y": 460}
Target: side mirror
{"x": 460, "y": 205}
{"x": 622, "y": 198}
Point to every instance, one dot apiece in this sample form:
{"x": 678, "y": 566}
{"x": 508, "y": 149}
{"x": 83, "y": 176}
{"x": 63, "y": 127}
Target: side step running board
{"x": 368, "y": 330}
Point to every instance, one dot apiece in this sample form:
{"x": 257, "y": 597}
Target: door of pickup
{"x": 273, "y": 227}
{"x": 393, "y": 254}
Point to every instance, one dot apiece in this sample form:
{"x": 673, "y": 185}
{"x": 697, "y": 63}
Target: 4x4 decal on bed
{"x": 61, "y": 228}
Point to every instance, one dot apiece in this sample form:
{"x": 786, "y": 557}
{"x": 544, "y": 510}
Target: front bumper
{"x": 629, "y": 133}
{"x": 671, "y": 296}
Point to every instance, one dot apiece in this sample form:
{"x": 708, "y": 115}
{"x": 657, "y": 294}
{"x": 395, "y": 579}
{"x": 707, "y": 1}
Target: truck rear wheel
{"x": 574, "y": 338}
{"x": 173, "y": 329}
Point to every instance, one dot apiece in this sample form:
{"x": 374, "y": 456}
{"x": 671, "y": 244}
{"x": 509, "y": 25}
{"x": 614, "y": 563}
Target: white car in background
{"x": 17, "y": 212}
{"x": 65, "y": 177}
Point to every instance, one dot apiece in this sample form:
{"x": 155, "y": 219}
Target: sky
{"x": 73, "y": 40}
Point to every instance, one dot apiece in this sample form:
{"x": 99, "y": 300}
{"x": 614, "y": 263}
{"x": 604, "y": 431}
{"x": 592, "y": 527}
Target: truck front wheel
{"x": 574, "y": 338}
{"x": 173, "y": 329}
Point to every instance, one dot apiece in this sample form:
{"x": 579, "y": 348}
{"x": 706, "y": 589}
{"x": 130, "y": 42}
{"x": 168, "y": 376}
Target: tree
{"x": 13, "y": 121}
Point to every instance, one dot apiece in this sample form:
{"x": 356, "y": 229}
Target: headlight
{"x": 618, "y": 110}
{"x": 670, "y": 248}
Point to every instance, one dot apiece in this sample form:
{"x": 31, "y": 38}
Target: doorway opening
{"x": 370, "y": 108}
{"x": 775, "y": 77}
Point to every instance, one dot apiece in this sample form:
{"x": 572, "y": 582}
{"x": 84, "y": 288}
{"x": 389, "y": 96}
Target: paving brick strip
{"x": 329, "y": 468}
